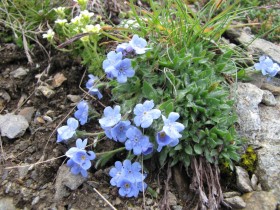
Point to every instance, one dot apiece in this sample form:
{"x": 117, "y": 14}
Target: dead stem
{"x": 104, "y": 199}
{"x": 164, "y": 203}
{"x": 206, "y": 184}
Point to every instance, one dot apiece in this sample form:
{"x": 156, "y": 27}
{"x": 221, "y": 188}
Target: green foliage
{"x": 25, "y": 17}
{"x": 182, "y": 73}
{"x": 263, "y": 18}
{"x": 249, "y": 159}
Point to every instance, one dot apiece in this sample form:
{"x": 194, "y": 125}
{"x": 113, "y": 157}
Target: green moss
{"x": 249, "y": 159}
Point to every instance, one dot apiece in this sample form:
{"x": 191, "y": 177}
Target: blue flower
{"x": 67, "y": 131}
{"x": 108, "y": 132}
{"x": 91, "y": 88}
{"x": 76, "y": 169}
{"x": 164, "y": 140}
{"x": 110, "y": 63}
{"x": 127, "y": 188}
{"x": 138, "y": 44}
{"x": 80, "y": 146}
{"x": 132, "y": 171}
{"x": 267, "y": 66}
{"x": 116, "y": 173}
{"x": 124, "y": 48}
{"x": 82, "y": 113}
{"x": 148, "y": 149}
{"x": 141, "y": 186}
{"x": 80, "y": 159}
{"x": 136, "y": 141}
{"x": 128, "y": 178}
{"x": 123, "y": 70}
{"x": 118, "y": 132}
{"x": 145, "y": 114}
{"x": 111, "y": 117}
{"x": 172, "y": 128}
{"x": 83, "y": 159}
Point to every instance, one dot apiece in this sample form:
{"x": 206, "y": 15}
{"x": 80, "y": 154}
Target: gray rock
{"x": 268, "y": 98}
{"x": 231, "y": 194}
{"x": 242, "y": 180}
{"x": 66, "y": 180}
{"x": 19, "y": 73}
{"x": 235, "y": 202}
{"x": 7, "y": 204}
{"x": 248, "y": 99}
{"x": 259, "y": 187}
{"x": 260, "y": 124}
{"x": 13, "y": 126}
{"x": 254, "y": 182}
{"x": 255, "y": 44}
{"x": 260, "y": 200}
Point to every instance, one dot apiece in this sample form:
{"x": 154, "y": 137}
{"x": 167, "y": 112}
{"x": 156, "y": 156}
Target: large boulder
{"x": 260, "y": 124}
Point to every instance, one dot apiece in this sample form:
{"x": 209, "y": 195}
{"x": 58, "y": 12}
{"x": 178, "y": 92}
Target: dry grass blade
{"x": 104, "y": 199}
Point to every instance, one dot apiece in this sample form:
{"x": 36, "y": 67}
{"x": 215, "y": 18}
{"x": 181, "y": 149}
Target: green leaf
{"x": 178, "y": 147}
{"x": 189, "y": 150}
{"x": 197, "y": 149}
{"x": 214, "y": 152}
{"x": 148, "y": 91}
{"x": 196, "y": 139}
{"x": 167, "y": 106}
{"x": 234, "y": 156}
{"x": 152, "y": 192}
{"x": 186, "y": 161}
{"x": 102, "y": 160}
{"x": 163, "y": 155}
{"x": 174, "y": 162}
{"x": 181, "y": 94}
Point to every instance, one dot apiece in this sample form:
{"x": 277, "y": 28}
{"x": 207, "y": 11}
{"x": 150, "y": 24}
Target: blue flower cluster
{"x": 132, "y": 137}
{"x": 117, "y": 67}
{"x": 80, "y": 159}
{"x": 128, "y": 178}
{"x": 267, "y": 66}
{"x": 68, "y": 131}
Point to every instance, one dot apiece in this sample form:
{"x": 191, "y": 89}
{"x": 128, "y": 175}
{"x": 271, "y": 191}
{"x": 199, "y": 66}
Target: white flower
{"x": 49, "y": 35}
{"x": 76, "y": 20}
{"x": 60, "y": 11}
{"x": 86, "y": 14}
{"x": 61, "y": 21}
{"x": 92, "y": 28}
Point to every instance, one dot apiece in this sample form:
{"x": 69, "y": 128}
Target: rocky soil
{"x": 36, "y": 99}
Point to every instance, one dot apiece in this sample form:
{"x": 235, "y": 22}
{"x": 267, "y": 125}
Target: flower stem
{"x": 110, "y": 152}
{"x": 83, "y": 133}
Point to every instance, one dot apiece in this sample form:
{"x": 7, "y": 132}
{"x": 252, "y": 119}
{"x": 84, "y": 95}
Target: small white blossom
{"x": 60, "y": 11}
{"x": 49, "y": 35}
{"x": 61, "y": 21}
{"x": 92, "y": 28}
{"x": 86, "y": 14}
{"x": 76, "y": 20}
